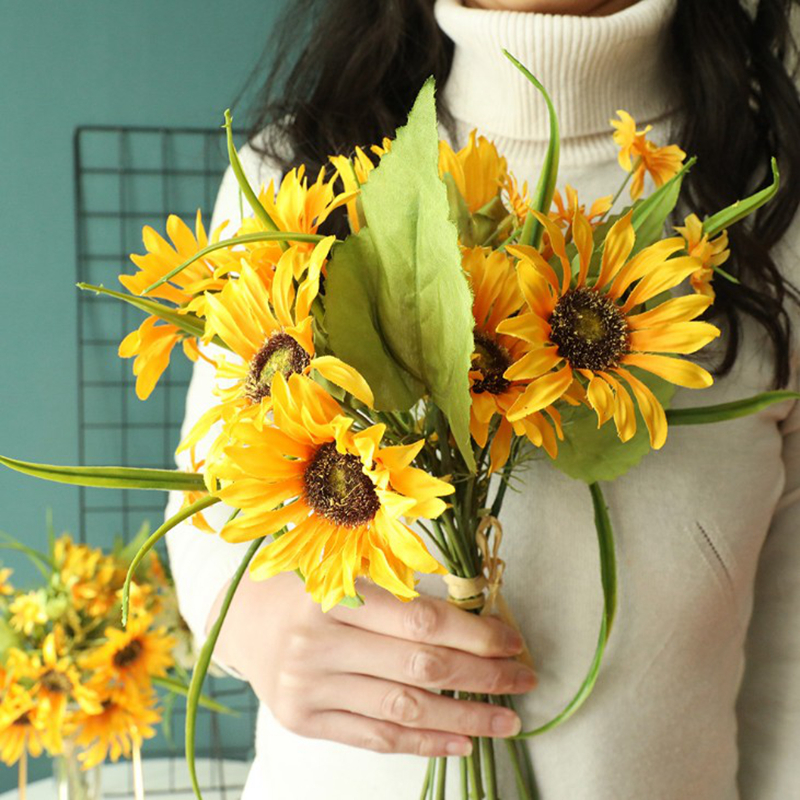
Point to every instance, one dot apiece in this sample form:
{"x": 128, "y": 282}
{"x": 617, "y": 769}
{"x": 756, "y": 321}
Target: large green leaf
{"x": 355, "y": 330}
{"x": 414, "y": 299}
{"x": 590, "y": 454}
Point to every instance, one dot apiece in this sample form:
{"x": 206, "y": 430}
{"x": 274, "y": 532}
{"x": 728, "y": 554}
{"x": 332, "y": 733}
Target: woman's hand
{"x": 364, "y": 676}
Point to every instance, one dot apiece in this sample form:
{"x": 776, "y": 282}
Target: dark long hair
{"x": 360, "y": 64}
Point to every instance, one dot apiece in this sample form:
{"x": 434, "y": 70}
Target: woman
{"x": 700, "y": 691}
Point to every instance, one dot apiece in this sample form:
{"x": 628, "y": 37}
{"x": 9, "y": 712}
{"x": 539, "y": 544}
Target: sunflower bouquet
{"x": 73, "y": 682}
{"x": 379, "y": 393}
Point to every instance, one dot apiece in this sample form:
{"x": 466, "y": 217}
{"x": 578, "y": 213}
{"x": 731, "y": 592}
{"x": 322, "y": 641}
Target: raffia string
{"x": 468, "y": 593}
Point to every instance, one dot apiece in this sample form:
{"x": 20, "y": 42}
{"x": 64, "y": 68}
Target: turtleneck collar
{"x": 591, "y": 66}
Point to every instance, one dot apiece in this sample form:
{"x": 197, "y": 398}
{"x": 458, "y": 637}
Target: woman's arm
{"x": 769, "y": 702}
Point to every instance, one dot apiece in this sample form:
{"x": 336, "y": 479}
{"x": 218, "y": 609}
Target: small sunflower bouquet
{"x": 377, "y": 394}
{"x": 73, "y": 682}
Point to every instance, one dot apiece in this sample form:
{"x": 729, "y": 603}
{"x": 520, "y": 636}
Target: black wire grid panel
{"x": 125, "y": 178}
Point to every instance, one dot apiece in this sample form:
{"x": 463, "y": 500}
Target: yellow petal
{"x": 344, "y": 376}
{"x": 675, "y": 370}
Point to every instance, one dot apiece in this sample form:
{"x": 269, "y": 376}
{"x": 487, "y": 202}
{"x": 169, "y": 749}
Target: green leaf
{"x": 245, "y": 238}
{"x": 703, "y": 415}
{"x": 111, "y": 477}
{"x": 203, "y": 662}
{"x": 244, "y": 185}
{"x": 44, "y": 564}
{"x": 188, "y": 323}
{"x": 8, "y": 638}
{"x": 608, "y": 579}
{"x": 543, "y": 196}
{"x": 150, "y": 543}
{"x": 176, "y": 687}
{"x": 650, "y": 215}
{"x": 414, "y": 299}
{"x": 590, "y": 454}
{"x": 355, "y": 332}
{"x": 743, "y": 208}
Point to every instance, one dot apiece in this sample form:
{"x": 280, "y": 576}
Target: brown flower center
{"x": 491, "y": 359}
{"x": 129, "y": 654}
{"x": 280, "y": 353}
{"x": 337, "y": 487}
{"x": 589, "y": 329}
{"x": 56, "y": 682}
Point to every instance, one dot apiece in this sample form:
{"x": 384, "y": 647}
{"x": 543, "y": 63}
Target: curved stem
{"x": 154, "y": 538}
{"x": 608, "y": 577}
{"x": 203, "y": 662}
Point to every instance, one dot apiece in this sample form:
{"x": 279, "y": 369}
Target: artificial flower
{"x": 597, "y": 331}
{"x": 565, "y": 210}
{"x": 21, "y": 726}
{"x": 496, "y": 297}
{"x": 642, "y": 157}
{"x": 477, "y": 169}
{"x": 28, "y": 611}
{"x": 132, "y": 657}
{"x": 340, "y": 494}
{"x": 153, "y": 341}
{"x": 5, "y": 586}
{"x": 125, "y": 720}
{"x": 271, "y": 332}
{"x": 710, "y": 252}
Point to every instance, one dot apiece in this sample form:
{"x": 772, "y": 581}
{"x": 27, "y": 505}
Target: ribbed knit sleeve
{"x": 202, "y": 563}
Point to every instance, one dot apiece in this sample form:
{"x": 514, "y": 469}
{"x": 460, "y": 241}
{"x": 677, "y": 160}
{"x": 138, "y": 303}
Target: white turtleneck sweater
{"x": 699, "y": 695}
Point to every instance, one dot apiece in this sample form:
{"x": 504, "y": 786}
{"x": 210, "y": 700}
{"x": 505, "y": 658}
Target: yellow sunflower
{"x": 354, "y": 173}
{"x": 496, "y": 297}
{"x": 711, "y": 253}
{"x": 21, "y": 725}
{"x": 152, "y": 342}
{"x": 597, "y": 332}
{"x": 91, "y": 578}
{"x": 6, "y": 588}
{"x": 478, "y": 170}
{"x": 640, "y": 156}
{"x": 28, "y": 611}
{"x": 124, "y": 720}
{"x": 55, "y": 683}
{"x": 341, "y": 494}
{"x": 271, "y": 331}
{"x": 296, "y": 206}
{"x": 131, "y": 657}
{"x": 565, "y": 211}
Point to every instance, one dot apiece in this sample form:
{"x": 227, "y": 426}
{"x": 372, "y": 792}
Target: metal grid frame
{"x": 127, "y": 177}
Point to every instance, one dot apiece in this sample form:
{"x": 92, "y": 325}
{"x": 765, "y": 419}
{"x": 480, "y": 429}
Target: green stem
{"x": 203, "y": 662}
{"x": 464, "y": 773}
{"x": 441, "y": 779}
{"x": 519, "y": 777}
{"x": 622, "y": 188}
{"x": 428, "y": 779}
{"x": 608, "y": 578}
{"x": 154, "y": 538}
{"x": 473, "y": 769}
{"x": 246, "y": 238}
{"x": 703, "y": 415}
{"x": 487, "y": 752}
{"x": 244, "y": 185}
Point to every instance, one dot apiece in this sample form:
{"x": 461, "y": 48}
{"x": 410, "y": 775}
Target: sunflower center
{"x": 337, "y": 487}
{"x": 56, "y": 682}
{"x": 23, "y": 719}
{"x": 280, "y": 353}
{"x": 491, "y": 359}
{"x": 590, "y": 331}
{"x": 129, "y": 654}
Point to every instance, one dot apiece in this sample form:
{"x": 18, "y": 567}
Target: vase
{"x": 72, "y": 781}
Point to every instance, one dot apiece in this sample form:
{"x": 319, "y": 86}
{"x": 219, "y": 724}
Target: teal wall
{"x": 65, "y": 64}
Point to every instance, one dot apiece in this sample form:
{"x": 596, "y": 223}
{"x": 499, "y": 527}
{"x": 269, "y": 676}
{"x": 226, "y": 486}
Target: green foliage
{"x": 742, "y": 208}
{"x": 590, "y": 454}
{"x": 545, "y": 189}
{"x": 111, "y": 477}
{"x": 398, "y": 306}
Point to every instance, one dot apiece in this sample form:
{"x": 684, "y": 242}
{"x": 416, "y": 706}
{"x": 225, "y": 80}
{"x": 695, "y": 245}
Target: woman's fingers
{"x": 428, "y": 666}
{"x": 385, "y": 737}
{"x": 431, "y": 621}
{"x": 417, "y": 708}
